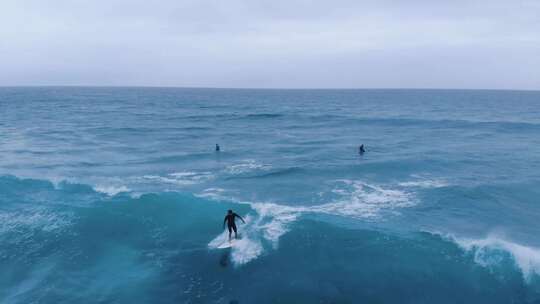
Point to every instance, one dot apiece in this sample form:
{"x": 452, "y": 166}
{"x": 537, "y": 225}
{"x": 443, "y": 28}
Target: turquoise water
{"x": 116, "y": 195}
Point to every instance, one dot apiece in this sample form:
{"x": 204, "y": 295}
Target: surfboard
{"x": 227, "y": 244}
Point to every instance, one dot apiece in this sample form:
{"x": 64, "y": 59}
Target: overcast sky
{"x": 272, "y": 43}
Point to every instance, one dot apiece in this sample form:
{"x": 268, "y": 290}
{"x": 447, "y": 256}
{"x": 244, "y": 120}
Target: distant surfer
{"x": 217, "y": 148}
{"x": 361, "y": 149}
{"x": 231, "y": 225}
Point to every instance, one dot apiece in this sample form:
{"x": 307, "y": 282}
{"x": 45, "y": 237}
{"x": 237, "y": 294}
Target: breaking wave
{"x": 493, "y": 250}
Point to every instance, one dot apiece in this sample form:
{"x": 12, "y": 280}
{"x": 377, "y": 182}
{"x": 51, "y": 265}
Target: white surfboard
{"x": 227, "y": 244}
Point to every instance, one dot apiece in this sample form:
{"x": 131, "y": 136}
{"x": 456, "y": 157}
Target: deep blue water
{"x": 116, "y": 195}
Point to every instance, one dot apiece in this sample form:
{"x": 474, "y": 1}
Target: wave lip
{"x": 487, "y": 253}
{"x": 111, "y": 190}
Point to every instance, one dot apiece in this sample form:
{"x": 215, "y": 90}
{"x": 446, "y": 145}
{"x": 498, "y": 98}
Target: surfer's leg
{"x": 235, "y": 232}
{"x": 230, "y": 231}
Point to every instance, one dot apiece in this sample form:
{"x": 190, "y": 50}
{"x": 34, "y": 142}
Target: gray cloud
{"x": 296, "y": 43}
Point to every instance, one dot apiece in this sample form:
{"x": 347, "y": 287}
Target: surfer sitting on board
{"x": 361, "y": 149}
{"x": 229, "y": 219}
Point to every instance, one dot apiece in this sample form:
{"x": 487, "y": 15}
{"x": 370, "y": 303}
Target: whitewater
{"x": 117, "y": 195}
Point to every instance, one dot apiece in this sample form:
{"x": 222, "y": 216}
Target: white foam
{"x": 527, "y": 259}
{"x": 110, "y": 186}
{"x": 245, "y": 249}
{"x": 273, "y": 219}
{"x": 56, "y": 181}
{"x": 362, "y": 200}
{"x": 192, "y": 176}
{"x": 425, "y": 184}
{"x": 111, "y": 190}
{"x": 423, "y": 181}
{"x": 215, "y": 194}
{"x": 246, "y": 166}
{"x": 184, "y": 178}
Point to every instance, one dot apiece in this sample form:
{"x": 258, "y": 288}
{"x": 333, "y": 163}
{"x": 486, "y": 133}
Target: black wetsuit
{"x": 231, "y": 225}
{"x": 361, "y": 150}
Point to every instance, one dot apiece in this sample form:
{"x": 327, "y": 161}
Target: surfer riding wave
{"x": 231, "y": 225}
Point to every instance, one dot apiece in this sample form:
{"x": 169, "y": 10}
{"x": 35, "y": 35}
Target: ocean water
{"x": 116, "y": 195}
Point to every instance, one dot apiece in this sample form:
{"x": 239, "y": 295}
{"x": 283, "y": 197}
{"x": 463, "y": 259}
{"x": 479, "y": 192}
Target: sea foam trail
{"x": 487, "y": 253}
{"x": 271, "y": 220}
{"x": 267, "y": 226}
{"x": 245, "y": 249}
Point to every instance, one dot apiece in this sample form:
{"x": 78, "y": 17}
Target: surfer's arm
{"x": 224, "y": 221}
{"x": 240, "y": 218}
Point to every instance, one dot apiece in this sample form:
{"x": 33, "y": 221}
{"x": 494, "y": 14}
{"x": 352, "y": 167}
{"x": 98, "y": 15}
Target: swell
{"x": 503, "y": 126}
{"x": 263, "y": 115}
{"x": 165, "y": 159}
{"x": 55, "y": 239}
{"x": 269, "y": 173}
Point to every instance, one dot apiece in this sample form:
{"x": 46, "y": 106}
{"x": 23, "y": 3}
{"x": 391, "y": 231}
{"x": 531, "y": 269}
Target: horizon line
{"x": 263, "y": 88}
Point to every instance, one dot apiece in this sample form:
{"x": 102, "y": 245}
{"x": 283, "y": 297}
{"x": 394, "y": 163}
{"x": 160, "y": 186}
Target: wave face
{"x": 117, "y": 196}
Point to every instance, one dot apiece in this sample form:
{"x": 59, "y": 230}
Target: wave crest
{"x": 487, "y": 253}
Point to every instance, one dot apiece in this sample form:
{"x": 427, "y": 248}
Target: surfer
{"x": 361, "y": 149}
{"x": 229, "y": 219}
{"x": 217, "y": 148}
